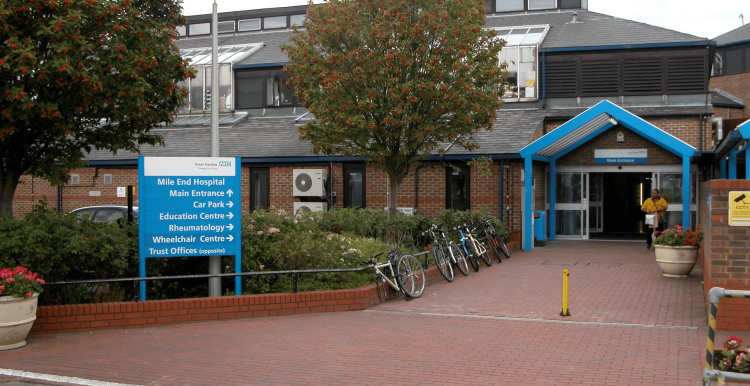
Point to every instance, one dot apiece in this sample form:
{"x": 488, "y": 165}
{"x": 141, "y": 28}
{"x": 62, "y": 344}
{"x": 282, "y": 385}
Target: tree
{"x": 83, "y": 74}
{"x": 393, "y": 80}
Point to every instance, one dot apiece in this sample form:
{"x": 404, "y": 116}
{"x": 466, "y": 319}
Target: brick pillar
{"x": 725, "y": 252}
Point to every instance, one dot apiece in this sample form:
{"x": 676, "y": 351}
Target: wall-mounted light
{"x": 613, "y": 121}
{"x": 620, "y": 137}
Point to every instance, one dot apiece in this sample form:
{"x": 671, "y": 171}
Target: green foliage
{"x": 392, "y": 80}
{"x": 63, "y": 247}
{"x": 83, "y": 74}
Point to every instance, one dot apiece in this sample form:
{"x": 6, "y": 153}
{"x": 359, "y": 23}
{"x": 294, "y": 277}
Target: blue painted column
{"x": 733, "y": 164}
{"x": 686, "y": 191}
{"x": 528, "y": 215}
{"x": 747, "y": 162}
{"x": 552, "y": 199}
{"x": 723, "y": 169}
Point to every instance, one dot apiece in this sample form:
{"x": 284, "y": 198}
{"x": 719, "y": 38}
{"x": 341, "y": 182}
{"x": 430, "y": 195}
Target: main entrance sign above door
{"x": 620, "y": 156}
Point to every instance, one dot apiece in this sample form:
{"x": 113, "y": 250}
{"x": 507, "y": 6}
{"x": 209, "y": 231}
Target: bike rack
{"x": 709, "y": 373}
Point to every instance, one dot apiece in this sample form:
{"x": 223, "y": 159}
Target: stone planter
{"x": 16, "y": 318}
{"x": 676, "y": 261}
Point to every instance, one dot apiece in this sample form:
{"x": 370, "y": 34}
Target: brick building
{"x": 650, "y": 86}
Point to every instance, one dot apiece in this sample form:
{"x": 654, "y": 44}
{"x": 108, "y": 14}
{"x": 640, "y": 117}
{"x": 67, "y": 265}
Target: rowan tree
{"x": 392, "y": 80}
{"x": 78, "y": 75}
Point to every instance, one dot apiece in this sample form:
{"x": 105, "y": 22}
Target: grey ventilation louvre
{"x": 75, "y": 179}
{"x": 107, "y": 179}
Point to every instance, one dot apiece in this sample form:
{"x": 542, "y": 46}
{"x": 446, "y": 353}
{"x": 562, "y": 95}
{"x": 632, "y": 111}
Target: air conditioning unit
{"x": 310, "y": 207}
{"x": 406, "y": 211}
{"x": 309, "y": 182}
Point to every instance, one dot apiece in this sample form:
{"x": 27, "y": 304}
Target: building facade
{"x": 638, "y": 87}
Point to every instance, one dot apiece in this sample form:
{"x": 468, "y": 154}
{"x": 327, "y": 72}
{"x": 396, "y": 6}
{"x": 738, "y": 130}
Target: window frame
{"x": 226, "y": 22}
{"x": 260, "y": 25}
{"x": 286, "y": 22}
{"x": 265, "y": 75}
{"x": 190, "y": 29}
{"x": 255, "y": 171}
{"x": 466, "y": 170}
{"x": 727, "y": 60}
{"x": 528, "y": 6}
{"x": 348, "y": 169}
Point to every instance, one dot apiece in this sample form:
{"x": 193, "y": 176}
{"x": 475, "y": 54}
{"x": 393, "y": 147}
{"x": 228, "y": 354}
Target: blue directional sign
{"x": 189, "y": 206}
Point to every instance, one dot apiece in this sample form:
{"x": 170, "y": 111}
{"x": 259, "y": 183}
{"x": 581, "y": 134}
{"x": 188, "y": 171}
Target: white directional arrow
{"x": 230, "y": 238}
{"x": 230, "y": 227}
{"x": 230, "y": 215}
{"x": 230, "y": 192}
{"x": 230, "y": 204}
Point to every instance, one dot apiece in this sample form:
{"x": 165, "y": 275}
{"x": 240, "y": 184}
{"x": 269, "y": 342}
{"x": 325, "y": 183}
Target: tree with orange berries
{"x": 77, "y": 75}
{"x": 391, "y": 80}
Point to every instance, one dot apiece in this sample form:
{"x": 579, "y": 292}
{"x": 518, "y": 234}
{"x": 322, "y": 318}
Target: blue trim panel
{"x": 143, "y": 207}
{"x": 528, "y": 214}
{"x": 630, "y": 46}
{"x": 733, "y": 164}
{"x": 259, "y": 65}
{"x": 552, "y": 200}
{"x": 686, "y": 192}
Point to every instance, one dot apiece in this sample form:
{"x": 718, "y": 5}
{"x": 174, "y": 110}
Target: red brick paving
{"x": 402, "y": 347}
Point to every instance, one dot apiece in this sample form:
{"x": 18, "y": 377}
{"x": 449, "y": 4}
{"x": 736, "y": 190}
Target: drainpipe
{"x": 544, "y": 80}
{"x": 502, "y": 191}
{"x": 416, "y": 188}
{"x": 59, "y": 198}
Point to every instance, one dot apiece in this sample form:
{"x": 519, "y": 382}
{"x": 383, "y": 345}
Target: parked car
{"x": 107, "y": 213}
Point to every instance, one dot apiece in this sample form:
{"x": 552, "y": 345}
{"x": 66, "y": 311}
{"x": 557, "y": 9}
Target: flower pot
{"x": 16, "y": 318}
{"x": 676, "y": 261}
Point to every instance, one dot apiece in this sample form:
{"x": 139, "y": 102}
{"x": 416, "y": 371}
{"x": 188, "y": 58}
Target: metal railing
{"x": 709, "y": 373}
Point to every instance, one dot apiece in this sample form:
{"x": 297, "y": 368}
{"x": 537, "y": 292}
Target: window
{"x": 509, "y": 5}
{"x": 354, "y": 187}
{"x": 570, "y": 3}
{"x": 274, "y": 22}
{"x": 747, "y": 59}
{"x": 457, "y": 195}
{"x": 249, "y": 93}
{"x": 259, "y": 189}
{"x": 196, "y": 91}
{"x": 297, "y": 19}
{"x": 226, "y": 26}
{"x": 279, "y": 93}
{"x": 248, "y": 25}
{"x": 734, "y": 62}
{"x": 521, "y": 56}
{"x": 542, "y": 4}
{"x": 200, "y": 29}
{"x": 181, "y": 30}
{"x": 718, "y": 66}
{"x": 568, "y": 188}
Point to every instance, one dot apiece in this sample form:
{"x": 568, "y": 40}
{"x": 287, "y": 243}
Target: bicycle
{"x": 478, "y": 246}
{"x": 468, "y": 248}
{"x": 443, "y": 263}
{"x": 497, "y": 242}
{"x": 408, "y": 276}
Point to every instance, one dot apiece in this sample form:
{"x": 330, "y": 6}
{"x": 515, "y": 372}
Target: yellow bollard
{"x": 565, "y": 311}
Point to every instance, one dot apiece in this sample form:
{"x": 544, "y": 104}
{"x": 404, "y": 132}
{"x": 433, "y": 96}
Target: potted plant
{"x": 732, "y": 357}
{"x": 19, "y": 292}
{"x": 677, "y": 250}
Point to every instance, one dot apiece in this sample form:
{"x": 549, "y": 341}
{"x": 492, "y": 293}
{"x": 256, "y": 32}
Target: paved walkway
{"x": 498, "y": 326}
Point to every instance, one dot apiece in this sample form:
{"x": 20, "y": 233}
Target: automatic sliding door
{"x": 571, "y": 214}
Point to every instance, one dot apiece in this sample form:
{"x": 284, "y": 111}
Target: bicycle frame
{"x": 479, "y": 247}
{"x": 384, "y": 277}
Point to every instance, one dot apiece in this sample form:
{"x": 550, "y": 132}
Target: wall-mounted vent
{"x": 107, "y": 179}
{"x": 642, "y": 75}
{"x": 686, "y": 74}
{"x": 561, "y": 78}
{"x": 600, "y": 77}
{"x": 75, "y": 179}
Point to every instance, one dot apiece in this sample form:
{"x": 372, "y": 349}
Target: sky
{"x": 701, "y": 18}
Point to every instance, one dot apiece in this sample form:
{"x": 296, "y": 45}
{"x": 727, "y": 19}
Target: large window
{"x": 521, "y": 54}
{"x": 354, "y": 187}
{"x": 226, "y": 26}
{"x": 734, "y": 62}
{"x": 257, "y": 89}
{"x": 274, "y": 22}
{"x": 457, "y": 183}
{"x": 200, "y": 29}
{"x": 297, "y": 19}
{"x": 248, "y": 25}
{"x": 542, "y": 4}
{"x": 259, "y": 188}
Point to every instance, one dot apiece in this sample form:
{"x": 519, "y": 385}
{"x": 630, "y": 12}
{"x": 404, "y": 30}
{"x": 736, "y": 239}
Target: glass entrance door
{"x": 572, "y": 205}
{"x": 596, "y": 202}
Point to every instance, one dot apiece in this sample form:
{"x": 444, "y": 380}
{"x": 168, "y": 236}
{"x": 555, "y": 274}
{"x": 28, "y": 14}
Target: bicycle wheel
{"x": 459, "y": 259}
{"x": 503, "y": 247}
{"x": 410, "y": 276}
{"x": 485, "y": 256}
{"x": 495, "y": 246}
{"x": 473, "y": 259}
{"x": 443, "y": 263}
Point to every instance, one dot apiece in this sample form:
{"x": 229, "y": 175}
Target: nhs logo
{"x": 225, "y": 163}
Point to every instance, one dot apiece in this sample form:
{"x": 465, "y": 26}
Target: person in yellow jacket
{"x": 656, "y": 206}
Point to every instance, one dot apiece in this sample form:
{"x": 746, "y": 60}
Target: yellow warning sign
{"x": 739, "y": 208}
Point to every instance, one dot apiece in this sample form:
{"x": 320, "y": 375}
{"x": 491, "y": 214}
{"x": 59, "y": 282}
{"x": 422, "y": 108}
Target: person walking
{"x": 656, "y": 206}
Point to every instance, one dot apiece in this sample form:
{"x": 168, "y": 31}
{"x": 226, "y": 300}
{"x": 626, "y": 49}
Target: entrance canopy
{"x": 583, "y": 128}
{"x": 732, "y": 145}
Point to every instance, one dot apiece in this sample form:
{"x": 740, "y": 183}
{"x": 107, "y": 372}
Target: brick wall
{"x": 108, "y": 316}
{"x": 725, "y": 252}
{"x": 584, "y": 154}
{"x": 737, "y": 85}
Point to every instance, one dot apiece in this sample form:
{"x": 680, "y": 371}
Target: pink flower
{"x": 29, "y": 294}
{"x": 260, "y": 233}
{"x": 40, "y": 281}
{"x": 261, "y": 266}
{"x": 10, "y": 280}
{"x": 295, "y": 221}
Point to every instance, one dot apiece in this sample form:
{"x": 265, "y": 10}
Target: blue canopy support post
{"x": 686, "y": 192}
{"x": 528, "y": 215}
{"x": 733, "y": 164}
{"x": 723, "y": 169}
{"x": 552, "y": 199}
{"x": 747, "y": 162}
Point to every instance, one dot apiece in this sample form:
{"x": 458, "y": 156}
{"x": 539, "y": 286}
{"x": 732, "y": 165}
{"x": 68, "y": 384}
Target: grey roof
{"x": 734, "y": 36}
{"x": 592, "y": 29}
{"x": 512, "y": 130}
{"x": 722, "y": 98}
